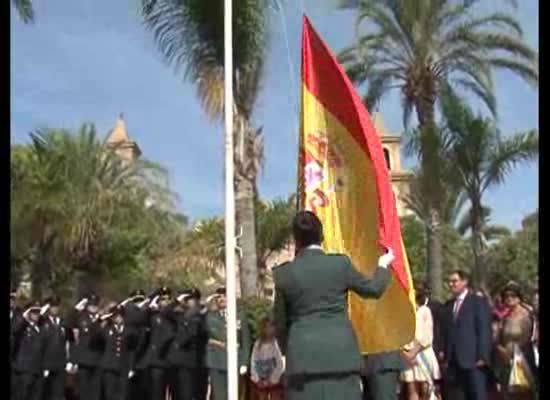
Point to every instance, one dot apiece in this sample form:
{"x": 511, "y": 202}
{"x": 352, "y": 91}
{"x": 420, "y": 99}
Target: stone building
{"x": 119, "y": 140}
{"x": 400, "y": 178}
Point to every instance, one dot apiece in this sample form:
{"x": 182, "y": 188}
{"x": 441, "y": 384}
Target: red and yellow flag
{"x": 343, "y": 179}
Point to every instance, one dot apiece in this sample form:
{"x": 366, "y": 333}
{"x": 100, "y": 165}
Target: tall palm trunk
{"x": 479, "y": 272}
{"x": 245, "y": 194}
{"x": 425, "y": 109}
{"x": 244, "y": 207}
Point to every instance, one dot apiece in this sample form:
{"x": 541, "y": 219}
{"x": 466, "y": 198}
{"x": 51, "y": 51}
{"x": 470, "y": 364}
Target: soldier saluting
{"x": 187, "y": 349}
{"x": 55, "y": 350}
{"x": 160, "y": 336}
{"x": 87, "y": 349}
{"x": 27, "y": 363}
{"x": 216, "y": 356}
{"x": 118, "y": 358}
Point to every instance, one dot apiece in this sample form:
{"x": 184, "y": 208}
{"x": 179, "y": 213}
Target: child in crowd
{"x": 267, "y": 364}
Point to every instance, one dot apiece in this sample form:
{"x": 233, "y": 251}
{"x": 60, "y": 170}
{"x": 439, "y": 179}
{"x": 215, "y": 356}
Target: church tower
{"x": 119, "y": 141}
{"x": 400, "y": 178}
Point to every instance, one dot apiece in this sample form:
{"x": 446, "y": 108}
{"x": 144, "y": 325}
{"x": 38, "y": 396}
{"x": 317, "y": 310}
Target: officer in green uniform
{"x": 322, "y": 354}
{"x": 216, "y": 354}
{"x": 381, "y": 375}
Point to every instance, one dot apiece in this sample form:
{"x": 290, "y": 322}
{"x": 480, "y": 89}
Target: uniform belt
{"x": 218, "y": 343}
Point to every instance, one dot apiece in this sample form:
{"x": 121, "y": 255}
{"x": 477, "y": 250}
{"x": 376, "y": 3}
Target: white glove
{"x": 385, "y": 260}
{"x": 81, "y": 304}
{"x": 46, "y": 373}
{"x": 144, "y": 303}
{"x": 69, "y": 367}
{"x": 105, "y": 316}
{"x": 154, "y": 304}
{"x": 44, "y": 309}
{"x": 131, "y": 374}
{"x": 182, "y": 297}
{"x": 243, "y": 370}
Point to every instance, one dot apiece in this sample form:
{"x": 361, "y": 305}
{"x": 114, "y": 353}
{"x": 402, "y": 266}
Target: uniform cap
{"x": 53, "y": 301}
{"x": 165, "y": 292}
{"x": 33, "y": 306}
{"x": 195, "y": 293}
{"x": 93, "y": 299}
{"x": 138, "y": 293}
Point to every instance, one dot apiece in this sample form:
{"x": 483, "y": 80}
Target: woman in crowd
{"x": 266, "y": 364}
{"x": 424, "y": 369}
{"x": 514, "y": 346}
{"x": 311, "y": 302}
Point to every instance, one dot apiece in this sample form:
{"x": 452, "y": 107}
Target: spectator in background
{"x": 266, "y": 364}
{"x": 423, "y": 368}
{"x": 467, "y": 340}
{"x": 500, "y": 309}
{"x": 515, "y": 345}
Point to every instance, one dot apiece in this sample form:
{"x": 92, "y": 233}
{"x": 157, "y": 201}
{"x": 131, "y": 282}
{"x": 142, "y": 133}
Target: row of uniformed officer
{"x": 139, "y": 349}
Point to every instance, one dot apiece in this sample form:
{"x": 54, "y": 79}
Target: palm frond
{"x": 25, "y": 10}
{"x": 507, "y": 154}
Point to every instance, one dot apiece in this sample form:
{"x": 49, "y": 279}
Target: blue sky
{"x": 89, "y": 60}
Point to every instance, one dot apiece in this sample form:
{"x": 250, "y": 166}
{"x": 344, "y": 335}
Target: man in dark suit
{"x": 467, "y": 342}
{"x": 380, "y": 375}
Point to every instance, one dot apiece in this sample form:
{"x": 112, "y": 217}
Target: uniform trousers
{"x": 138, "y": 387}
{"x": 89, "y": 383}
{"x": 27, "y": 386}
{"x": 54, "y": 386}
{"x": 467, "y": 384}
{"x": 159, "y": 383}
{"x": 323, "y": 387}
{"x": 115, "y": 385}
{"x": 201, "y": 385}
{"x": 184, "y": 383}
{"x": 381, "y": 385}
{"x": 218, "y": 384}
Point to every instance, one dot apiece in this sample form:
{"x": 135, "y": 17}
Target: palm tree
{"x": 489, "y": 232}
{"x": 426, "y": 48}
{"x": 74, "y": 191}
{"x": 482, "y": 160}
{"x": 24, "y": 10}
{"x": 273, "y": 227}
{"x": 205, "y": 242}
{"x": 190, "y": 36}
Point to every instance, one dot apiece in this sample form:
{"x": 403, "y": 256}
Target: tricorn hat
{"x": 93, "y": 299}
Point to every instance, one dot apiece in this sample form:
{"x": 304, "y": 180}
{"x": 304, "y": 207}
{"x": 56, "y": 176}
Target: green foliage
{"x": 456, "y": 250}
{"x": 481, "y": 159}
{"x": 205, "y": 242}
{"x": 424, "y": 48}
{"x": 25, "y": 10}
{"x": 256, "y": 309}
{"x": 516, "y": 258}
{"x": 80, "y": 214}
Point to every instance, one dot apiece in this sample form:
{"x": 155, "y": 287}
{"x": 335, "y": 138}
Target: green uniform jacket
{"x": 311, "y": 304}
{"x": 216, "y": 354}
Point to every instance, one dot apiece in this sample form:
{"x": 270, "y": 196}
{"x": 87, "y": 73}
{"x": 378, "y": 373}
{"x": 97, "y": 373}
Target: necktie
{"x": 458, "y": 304}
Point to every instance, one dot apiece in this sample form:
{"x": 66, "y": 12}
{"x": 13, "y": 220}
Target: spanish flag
{"x": 343, "y": 179}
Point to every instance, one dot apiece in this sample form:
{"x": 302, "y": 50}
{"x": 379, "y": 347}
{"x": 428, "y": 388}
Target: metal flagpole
{"x": 230, "y": 241}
